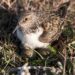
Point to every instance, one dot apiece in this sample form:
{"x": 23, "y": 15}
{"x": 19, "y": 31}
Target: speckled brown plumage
{"x": 37, "y": 29}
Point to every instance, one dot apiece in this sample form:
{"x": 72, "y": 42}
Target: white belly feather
{"x": 31, "y": 40}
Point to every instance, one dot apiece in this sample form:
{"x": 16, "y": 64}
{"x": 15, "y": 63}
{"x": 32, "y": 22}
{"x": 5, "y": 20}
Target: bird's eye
{"x": 25, "y": 19}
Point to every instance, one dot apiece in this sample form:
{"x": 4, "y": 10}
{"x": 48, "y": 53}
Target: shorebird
{"x": 39, "y": 29}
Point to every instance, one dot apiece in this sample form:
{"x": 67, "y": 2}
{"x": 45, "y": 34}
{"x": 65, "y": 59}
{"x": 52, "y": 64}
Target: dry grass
{"x": 62, "y": 50}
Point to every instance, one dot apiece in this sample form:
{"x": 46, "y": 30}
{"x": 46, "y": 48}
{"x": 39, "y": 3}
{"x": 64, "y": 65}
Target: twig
{"x": 64, "y": 69}
{"x": 38, "y": 54}
{"x": 30, "y": 67}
